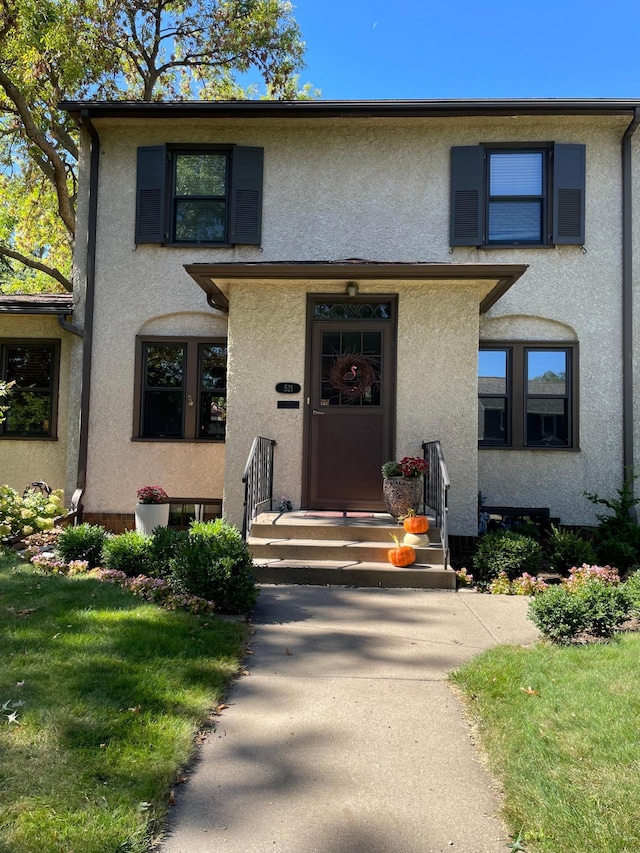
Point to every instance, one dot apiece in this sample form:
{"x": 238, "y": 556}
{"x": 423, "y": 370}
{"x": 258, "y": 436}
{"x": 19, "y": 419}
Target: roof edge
{"x": 40, "y": 303}
{"x": 351, "y": 109}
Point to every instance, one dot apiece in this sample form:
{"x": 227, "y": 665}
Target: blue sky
{"x": 459, "y": 49}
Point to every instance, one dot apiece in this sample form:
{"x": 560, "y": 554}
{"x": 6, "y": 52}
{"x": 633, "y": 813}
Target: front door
{"x": 350, "y": 413}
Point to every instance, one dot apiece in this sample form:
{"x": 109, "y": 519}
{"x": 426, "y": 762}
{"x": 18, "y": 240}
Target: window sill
{"x": 178, "y": 440}
{"x": 28, "y": 437}
{"x": 534, "y": 448}
{"x": 195, "y": 245}
{"x": 490, "y": 246}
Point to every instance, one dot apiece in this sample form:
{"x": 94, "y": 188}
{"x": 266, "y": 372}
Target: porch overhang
{"x": 214, "y": 279}
{"x": 37, "y": 303}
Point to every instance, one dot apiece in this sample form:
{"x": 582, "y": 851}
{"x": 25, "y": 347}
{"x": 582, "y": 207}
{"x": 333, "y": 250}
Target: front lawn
{"x": 561, "y": 727}
{"x": 101, "y": 697}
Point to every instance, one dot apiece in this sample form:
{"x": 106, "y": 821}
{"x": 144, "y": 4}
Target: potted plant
{"x": 152, "y": 509}
{"x": 402, "y": 486}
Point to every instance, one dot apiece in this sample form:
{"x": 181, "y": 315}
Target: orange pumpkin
{"x": 402, "y": 555}
{"x": 415, "y": 523}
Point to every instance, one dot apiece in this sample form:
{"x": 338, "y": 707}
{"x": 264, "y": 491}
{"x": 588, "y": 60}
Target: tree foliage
{"x": 52, "y": 50}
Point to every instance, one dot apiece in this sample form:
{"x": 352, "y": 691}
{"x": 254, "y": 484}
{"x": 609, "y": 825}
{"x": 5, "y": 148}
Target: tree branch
{"x": 37, "y": 265}
{"x": 40, "y": 140}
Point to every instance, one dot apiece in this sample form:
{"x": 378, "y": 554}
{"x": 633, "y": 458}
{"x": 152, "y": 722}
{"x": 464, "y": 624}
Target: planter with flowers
{"x": 152, "y": 509}
{"x": 403, "y": 485}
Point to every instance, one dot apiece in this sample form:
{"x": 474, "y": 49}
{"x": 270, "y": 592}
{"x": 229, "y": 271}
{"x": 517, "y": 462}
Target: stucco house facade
{"x": 476, "y": 257}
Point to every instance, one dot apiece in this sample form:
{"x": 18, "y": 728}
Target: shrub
{"x": 214, "y": 562}
{"x": 505, "y": 551}
{"x": 593, "y": 607}
{"x": 23, "y": 516}
{"x": 82, "y": 542}
{"x": 130, "y": 552}
{"x": 617, "y": 539}
{"x": 567, "y": 549}
{"x": 633, "y": 591}
{"x": 606, "y": 606}
{"x": 558, "y": 613}
{"x": 164, "y": 546}
{"x": 526, "y": 528}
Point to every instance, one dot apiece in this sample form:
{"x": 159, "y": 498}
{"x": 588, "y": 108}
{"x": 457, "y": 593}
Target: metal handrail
{"x": 258, "y": 481}
{"x": 436, "y": 490}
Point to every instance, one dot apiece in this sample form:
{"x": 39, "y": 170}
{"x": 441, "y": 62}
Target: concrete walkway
{"x": 344, "y": 737}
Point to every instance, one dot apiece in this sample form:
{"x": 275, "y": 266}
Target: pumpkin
{"x": 401, "y": 555}
{"x": 416, "y": 540}
{"x": 415, "y": 523}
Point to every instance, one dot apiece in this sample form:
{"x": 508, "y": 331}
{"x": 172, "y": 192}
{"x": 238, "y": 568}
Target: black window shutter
{"x": 150, "y": 194}
{"x": 568, "y": 194}
{"x": 245, "y": 215}
{"x": 467, "y": 195}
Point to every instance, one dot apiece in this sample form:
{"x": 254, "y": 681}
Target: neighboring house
{"x": 224, "y": 249}
{"x": 35, "y": 354}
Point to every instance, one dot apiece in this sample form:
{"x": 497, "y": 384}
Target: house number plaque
{"x": 288, "y": 388}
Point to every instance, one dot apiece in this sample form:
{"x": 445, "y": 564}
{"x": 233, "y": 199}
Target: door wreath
{"x": 352, "y": 375}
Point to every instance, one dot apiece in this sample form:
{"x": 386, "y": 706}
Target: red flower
{"x": 413, "y": 467}
{"x": 152, "y": 495}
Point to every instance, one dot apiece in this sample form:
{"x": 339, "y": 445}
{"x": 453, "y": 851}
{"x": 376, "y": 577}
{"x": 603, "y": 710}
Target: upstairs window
{"x": 199, "y": 195}
{"x": 181, "y": 390}
{"x": 33, "y": 367}
{"x": 527, "y": 396}
{"x": 199, "y": 205}
{"x": 518, "y": 195}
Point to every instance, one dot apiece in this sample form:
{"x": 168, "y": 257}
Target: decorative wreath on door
{"x": 352, "y": 375}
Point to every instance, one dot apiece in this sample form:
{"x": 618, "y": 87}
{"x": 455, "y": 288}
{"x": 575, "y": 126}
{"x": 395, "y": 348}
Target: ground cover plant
{"x": 101, "y": 696}
{"x": 560, "y": 728}
{"x": 205, "y": 568}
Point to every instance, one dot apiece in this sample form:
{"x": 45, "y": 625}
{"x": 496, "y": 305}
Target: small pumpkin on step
{"x": 402, "y": 555}
{"x": 414, "y": 523}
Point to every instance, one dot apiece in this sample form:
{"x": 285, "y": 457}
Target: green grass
{"x": 114, "y": 693}
{"x": 568, "y": 755}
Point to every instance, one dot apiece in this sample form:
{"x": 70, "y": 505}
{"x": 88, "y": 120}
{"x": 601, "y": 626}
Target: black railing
{"x": 258, "y": 481}
{"x": 436, "y": 490}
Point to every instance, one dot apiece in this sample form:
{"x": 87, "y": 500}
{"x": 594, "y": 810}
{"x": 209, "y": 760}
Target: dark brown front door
{"x": 350, "y": 412}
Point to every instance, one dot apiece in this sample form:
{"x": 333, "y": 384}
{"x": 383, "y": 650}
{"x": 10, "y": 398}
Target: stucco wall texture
{"x": 376, "y": 189}
{"x": 28, "y": 460}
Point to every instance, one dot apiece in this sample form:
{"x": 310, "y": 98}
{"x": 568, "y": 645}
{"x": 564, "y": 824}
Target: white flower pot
{"x": 150, "y": 516}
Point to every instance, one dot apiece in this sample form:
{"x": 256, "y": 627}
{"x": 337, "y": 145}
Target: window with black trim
{"x": 181, "y": 388}
{"x": 199, "y": 203}
{"x": 518, "y": 195}
{"x": 207, "y": 195}
{"x": 527, "y": 395}
{"x": 33, "y": 366}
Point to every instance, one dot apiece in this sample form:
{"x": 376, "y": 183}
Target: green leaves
{"x": 111, "y": 49}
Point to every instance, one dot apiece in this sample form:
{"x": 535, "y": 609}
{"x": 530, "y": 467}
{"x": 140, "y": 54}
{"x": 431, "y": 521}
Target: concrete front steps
{"x": 348, "y": 549}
